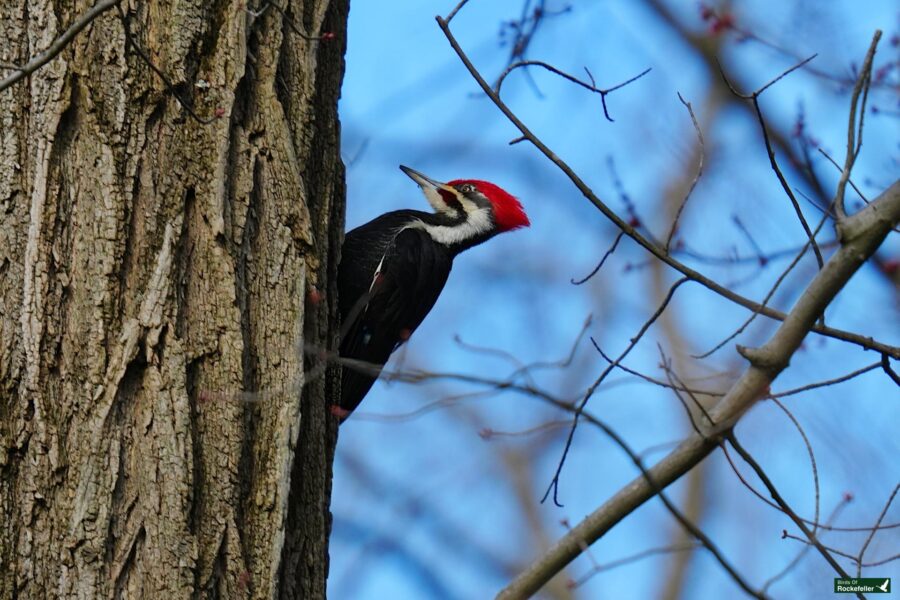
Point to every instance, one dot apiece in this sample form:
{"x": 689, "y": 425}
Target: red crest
{"x": 508, "y": 211}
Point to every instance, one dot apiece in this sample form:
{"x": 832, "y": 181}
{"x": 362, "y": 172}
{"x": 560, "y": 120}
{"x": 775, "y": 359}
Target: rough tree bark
{"x": 154, "y": 269}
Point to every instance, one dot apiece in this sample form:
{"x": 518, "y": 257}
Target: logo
{"x": 865, "y": 585}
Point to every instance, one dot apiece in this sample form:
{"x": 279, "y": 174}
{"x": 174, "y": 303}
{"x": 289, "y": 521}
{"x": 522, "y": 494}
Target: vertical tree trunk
{"x": 155, "y": 277}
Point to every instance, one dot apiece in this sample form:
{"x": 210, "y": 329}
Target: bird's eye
{"x": 467, "y": 188}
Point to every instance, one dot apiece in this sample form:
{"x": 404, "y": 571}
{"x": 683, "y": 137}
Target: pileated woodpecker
{"x": 393, "y": 269}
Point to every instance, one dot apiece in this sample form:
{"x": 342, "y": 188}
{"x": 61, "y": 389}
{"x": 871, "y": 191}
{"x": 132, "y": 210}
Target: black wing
{"x": 403, "y": 288}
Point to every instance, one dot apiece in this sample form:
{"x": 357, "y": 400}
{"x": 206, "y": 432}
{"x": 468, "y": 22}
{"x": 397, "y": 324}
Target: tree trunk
{"x": 161, "y": 434}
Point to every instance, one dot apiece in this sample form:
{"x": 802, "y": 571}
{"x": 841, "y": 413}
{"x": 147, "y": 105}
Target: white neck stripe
{"x": 477, "y": 222}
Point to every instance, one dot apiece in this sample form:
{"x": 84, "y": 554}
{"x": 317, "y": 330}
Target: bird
{"x": 393, "y": 268}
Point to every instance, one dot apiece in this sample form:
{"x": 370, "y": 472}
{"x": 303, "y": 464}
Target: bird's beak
{"x": 436, "y": 193}
{"x": 426, "y": 182}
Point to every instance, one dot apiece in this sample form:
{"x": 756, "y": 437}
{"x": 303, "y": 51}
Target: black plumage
{"x": 380, "y": 312}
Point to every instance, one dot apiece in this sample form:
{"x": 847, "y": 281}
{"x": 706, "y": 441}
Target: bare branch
{"x": 757, "y": 259}
{"x": 487, "y": 434}
{"x": 789, "y": 536}
{"x": 812, "y": 459}
{"x": 563, "y": 362}
{"x": 841, "y": 170}
{"x": 675, "y": 384}
{"x": 554, "y": 483}
{"x": 827, "y": 382}
{"x": 659, "y": 382}
{"x": 588, "y": 86}
{"x": 602, "y": 260}
{"x": 882, "y": 561}
{"x": 765, "y": 301}
{"x": 455, "y": 10}
{"x": 523, "y": 369}
{"x": 654, "y": 249}
{"x": 648, "y": 479}
{"x": 697, "y": 177}
{"x": 766, "y": 363}
{"x": 815, "y": 524}
{"x": 58, "y": 44}
{"x": 865, "y": 546}
{"x": 886, "y": 366}
{"x": 754, "y": 97}
{"x": 755, "y": 94}
{"x": 861, "y": 235}
{"x": 129, "y": 38}
{"x": 796, "y": 560}
{"x": 784, "y": 506}
{"x": 847, "y": 555}
{"x": 599, "y": 568}
{"x": 854, "y": 138}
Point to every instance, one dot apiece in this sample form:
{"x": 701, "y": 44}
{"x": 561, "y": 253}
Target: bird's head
{"x": 476, "y": 208}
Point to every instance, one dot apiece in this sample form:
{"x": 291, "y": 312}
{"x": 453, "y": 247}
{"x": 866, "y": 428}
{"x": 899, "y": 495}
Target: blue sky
{"x": 426, "y": 507}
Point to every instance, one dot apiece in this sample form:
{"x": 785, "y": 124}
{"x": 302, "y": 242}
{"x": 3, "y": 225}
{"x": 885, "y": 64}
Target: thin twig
{"x": 765, "y": 302}
{"x": 684, "y": 404}
{"x": 602, "y": 260}
{"x": 443, "y": 402}
{"x": 674, "y": 383}
{"x": 525, "y": 29}
{"x": 770, "y": 151}
{"x": 170, "y": 87}
{"x": 815, "y": 524}
{"x": 739, "y": 223}
{"x": 599, "y": 568}
{"x": 553, "y": 488}
{"x": 785, "y": 186}
{"x": 745, "y": 259}
{"x": 865, "y": 546}
{"x": 697, "y": 177}
{"x": 296, "y": 28}
{"x": 590, "y": 86}
{"x": 882, "y": 561}
{"x": 812, "y": 459}
{"x": 847, "y": 555}
{"x": 653, "y": 380}
{"x": 760, "y": 472}
{"x": 854, "y": 138}
{"x": 455, "y": 10}
{"x": 886, "y": 367}
{"x": 58, "y": 44}
{"x": 767, "y": 85}
{"x": 803, "y": 551}
{"x": 825, "y": 211}
{"x": 526, "y": 369}
{"x": 827, "y": 382}
{"x": 487, "y": 434}
{"x": 841, "y": 170}
{"x": 561, "y": 363}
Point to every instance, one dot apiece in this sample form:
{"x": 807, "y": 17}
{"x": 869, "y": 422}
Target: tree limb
{"x": 871, "y": 225}
{"x": 653, "y": 248}
{"x": 58, "y": 44}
